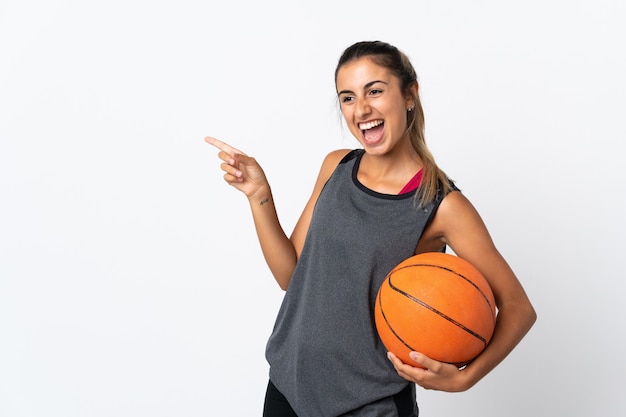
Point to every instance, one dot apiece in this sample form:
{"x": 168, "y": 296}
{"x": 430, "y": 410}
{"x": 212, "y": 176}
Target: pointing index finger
{"x": 222, "y": 146}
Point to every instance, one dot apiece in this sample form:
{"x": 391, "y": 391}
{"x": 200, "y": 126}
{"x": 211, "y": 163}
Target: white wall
{"x": 131, "y": 282}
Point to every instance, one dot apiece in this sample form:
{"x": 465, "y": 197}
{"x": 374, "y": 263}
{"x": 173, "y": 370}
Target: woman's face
{"x": 373, "y": 105}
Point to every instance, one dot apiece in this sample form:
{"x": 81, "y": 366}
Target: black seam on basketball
{"x": 434, "y": 310}
{"x": 382, "y": 311}
{"x": 482, "y": 294}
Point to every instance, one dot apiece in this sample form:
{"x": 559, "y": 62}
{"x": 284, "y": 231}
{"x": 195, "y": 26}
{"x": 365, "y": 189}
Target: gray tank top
{"x": 324, "y": 353}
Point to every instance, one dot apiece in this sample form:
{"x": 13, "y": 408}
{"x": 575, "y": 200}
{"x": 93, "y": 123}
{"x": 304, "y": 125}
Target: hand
{"x": 432, "y": 374}
{"x": 241, "y": 171}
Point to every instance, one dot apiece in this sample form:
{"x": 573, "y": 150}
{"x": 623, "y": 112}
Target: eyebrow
{"x": 365, "y": 87}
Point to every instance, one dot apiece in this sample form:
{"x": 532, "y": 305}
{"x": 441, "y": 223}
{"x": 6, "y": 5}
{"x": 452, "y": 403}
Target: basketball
{"x": 437, "y": 304}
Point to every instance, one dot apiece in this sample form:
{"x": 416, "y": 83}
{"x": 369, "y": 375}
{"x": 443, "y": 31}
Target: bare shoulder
{"x": 330, "y": 162}
{"x": 459, "y": 225}
{"x": 455, "y": 204}
{"x": 334, "y": 157}
{"x": 455, "y": 217}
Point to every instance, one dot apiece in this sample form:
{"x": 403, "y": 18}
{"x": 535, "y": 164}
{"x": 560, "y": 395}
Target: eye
{"x": 375, "y": 91}
{"x": 347, "y": 99}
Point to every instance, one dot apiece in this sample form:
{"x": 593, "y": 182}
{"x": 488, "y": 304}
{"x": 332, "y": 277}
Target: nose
{"x": 362, "y": 108}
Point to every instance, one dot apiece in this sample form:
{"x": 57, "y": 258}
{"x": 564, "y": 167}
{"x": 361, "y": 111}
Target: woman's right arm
{"x": 245, "y": 174}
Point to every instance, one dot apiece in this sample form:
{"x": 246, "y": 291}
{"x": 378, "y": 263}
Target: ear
{"x": 411, "y": 96}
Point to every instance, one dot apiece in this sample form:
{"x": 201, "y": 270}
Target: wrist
{"x": 261, "y": 198}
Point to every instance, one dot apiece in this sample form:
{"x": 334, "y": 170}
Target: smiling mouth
{"x": 369, "y": 125}
{"x": 372, "y": 131}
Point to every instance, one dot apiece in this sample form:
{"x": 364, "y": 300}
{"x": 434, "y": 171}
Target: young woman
{"x": 370, "y": 208}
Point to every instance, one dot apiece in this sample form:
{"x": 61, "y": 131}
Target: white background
{"x": 131, "y": 281}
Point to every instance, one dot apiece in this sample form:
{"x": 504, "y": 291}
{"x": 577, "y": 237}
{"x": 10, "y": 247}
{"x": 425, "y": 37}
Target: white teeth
{"x": 369, "y": 125}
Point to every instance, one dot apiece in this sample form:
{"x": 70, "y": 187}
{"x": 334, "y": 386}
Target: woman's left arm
{"x": 458, "y": 225}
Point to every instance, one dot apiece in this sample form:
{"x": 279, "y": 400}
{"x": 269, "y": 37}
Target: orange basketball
{"x": 436, "y": 304}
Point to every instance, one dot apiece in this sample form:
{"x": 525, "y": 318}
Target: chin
{"x": 374, "y": 148}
